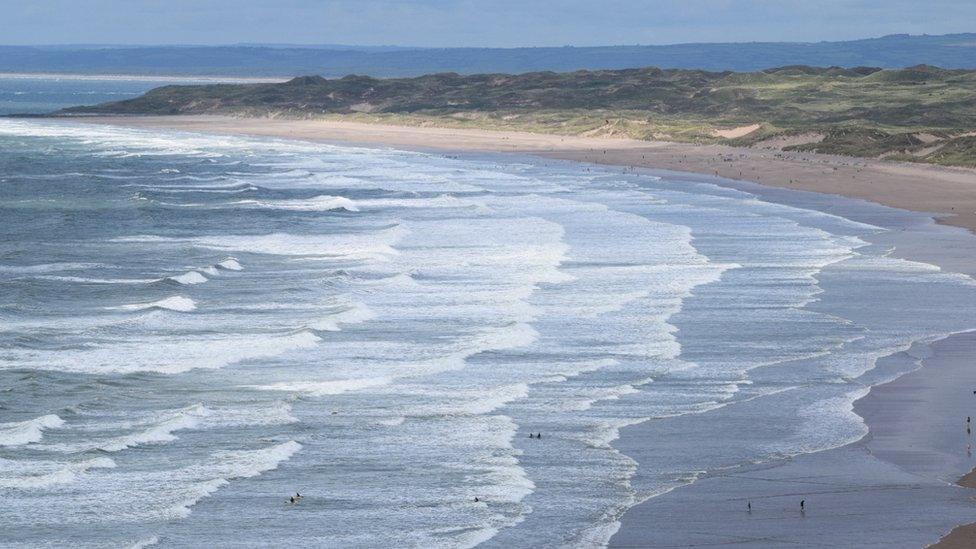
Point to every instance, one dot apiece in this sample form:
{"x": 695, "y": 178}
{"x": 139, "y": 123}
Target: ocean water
{"x": 193, "y": 328}
{"x": 42, "y": 94}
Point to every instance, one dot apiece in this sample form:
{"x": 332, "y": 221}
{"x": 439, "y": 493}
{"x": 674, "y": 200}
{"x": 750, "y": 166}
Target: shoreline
{"x": 908, "y": 426}
{"x": 948, "y": 193}
{"x": 850, "y": 480}
{"x": 848, "y": 488}
{"x": 945, "y": 191}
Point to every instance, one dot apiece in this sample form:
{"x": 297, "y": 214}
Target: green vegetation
{"x": 957, "y": 152}
{"x": 920, "y": 113}
{"x": 860, "y": 142}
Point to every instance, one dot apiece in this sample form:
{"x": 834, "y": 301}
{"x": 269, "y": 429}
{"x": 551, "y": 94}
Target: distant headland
{"x": 917, "y": 114}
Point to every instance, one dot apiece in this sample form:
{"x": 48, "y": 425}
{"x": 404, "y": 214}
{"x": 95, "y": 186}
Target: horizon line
{"x": 325, "y": 46}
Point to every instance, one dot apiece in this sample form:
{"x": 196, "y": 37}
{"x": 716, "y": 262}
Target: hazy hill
{"x": 896, "y": 51}
{"x": 920, "y": 113}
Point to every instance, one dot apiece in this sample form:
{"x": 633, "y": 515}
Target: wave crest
{"x": 26, "y": 432}
{"x": 177, "y": 303}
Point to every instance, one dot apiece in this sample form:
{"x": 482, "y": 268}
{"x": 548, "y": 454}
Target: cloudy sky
{"x": 471, "y": 22}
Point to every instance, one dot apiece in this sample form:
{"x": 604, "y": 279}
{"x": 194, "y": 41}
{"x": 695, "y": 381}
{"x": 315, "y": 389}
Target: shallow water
{"x": 193, "y": 328}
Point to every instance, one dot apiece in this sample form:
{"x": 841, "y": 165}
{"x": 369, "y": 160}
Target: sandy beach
{"x": 917, "y": 437}
{"x": 947, "y": 192}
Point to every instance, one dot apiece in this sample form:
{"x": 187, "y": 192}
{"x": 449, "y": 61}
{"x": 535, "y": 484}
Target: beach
{"x": 917, "y": 450}
{"x": 945, "y": 191}
{"x": 916, "y": 447}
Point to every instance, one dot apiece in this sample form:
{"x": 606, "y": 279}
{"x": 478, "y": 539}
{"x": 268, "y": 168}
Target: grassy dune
{"x": 921, "y": 114}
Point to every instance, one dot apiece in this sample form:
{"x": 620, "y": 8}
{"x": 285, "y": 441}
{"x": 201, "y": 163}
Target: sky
{"x": 479, "y": 23}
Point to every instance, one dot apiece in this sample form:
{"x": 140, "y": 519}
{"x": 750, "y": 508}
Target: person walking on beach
{"x": 749, "y": 507}
{"x": 803, "y": 505}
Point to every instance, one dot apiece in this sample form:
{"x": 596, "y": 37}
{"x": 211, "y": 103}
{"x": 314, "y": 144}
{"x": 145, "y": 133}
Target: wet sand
{"x": 879, "y": 491}
{"x": 928, "y": 433}
{"x": 894, "y": 488}
{"x": 876, "y": 492}
{"x": 871, "y": 493}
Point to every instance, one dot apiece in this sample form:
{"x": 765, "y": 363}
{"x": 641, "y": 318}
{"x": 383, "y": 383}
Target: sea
{"x": 195, "y": 328}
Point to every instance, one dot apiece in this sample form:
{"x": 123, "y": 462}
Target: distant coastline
{"x": 897, "y": 50}
{"x": 919, "y": 114}
{"x": 198, "y": 79}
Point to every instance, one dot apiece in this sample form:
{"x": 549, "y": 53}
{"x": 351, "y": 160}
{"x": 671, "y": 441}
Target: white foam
{"x": 231, "y": 189}
{"x": 325, "y": 388}
{"x": 827, "y": 424}
{"x": 602, "y": 434}
{"x": 473, "y": 538}
{"x": 231, "y": 264}
{"x": 442, "y": 201}
{"x": 166, "y": 355}
{"x": 209, "y": 477}
{"x": 598, "y": 535}
{"x": 89, "y": 280}
{"x": 48, "y": 267}
{"x": 161, "y": 427}
{"x": 26, "y": 432}
{"x": 325, "y": 245}
{"x": 588, "y": 397}
{"x": 277, "y": 413}
{"x": 510, "y": 336}
{"x": 354, "y": 314}
{"x": 145, "y": 238}
{"x": 191, "y": 277}
{"x": 36, "y": 474}
{"x": 156, "y": 433}
{"x": 176, "y": 303}
{"x": 142, "y": 543}
{"x": 321, "y": 203}
{"x": 246, "y": 463}
{"x": 478, "y": 402}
